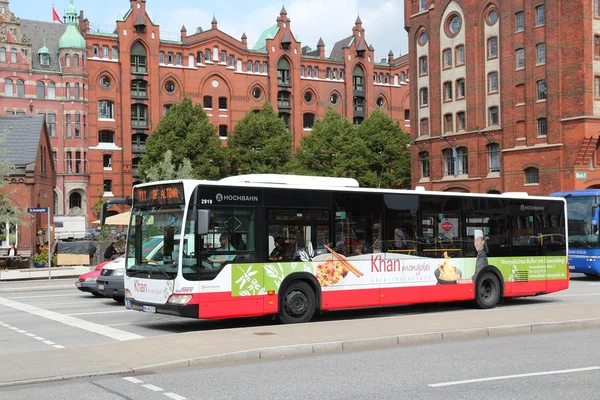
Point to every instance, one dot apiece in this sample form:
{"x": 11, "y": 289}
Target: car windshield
{"x": 582, "y": 231}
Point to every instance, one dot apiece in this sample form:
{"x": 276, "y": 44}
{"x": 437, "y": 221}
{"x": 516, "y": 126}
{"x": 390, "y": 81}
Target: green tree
{"x": 186, "y": 131}
{"x": 166, "y": 169}
{"x": 387, "y": 154}
{"x": 260, "y": 143}
{"x": 333, "y": 148}
{"x": 9, "y": 211}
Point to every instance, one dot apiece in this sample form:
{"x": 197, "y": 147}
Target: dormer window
{"x": 45, "y": 59}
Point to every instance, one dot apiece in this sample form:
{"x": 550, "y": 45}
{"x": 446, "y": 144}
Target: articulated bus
{"x": 292, "y": 246}
{"x": 583, "y": 216}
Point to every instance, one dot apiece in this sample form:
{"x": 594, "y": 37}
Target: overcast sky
{"x": 333, "y": 20}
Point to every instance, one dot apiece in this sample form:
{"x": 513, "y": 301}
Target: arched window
{"x": 74, "y": 200}
{"x": 76, "y": 60}
{"x": 493, "y": 157}
{"x": 138, "y": 58}
{"x": 76, "y": 91}
{"x": 249, "y": 66}
{"x": 51, "y": 91}
{"x": 2, "y": 54}
{"x": 462, "y": 161}
{"x": 424, "y": 160}
{"x": 20, "y": 89}
{"x": 358, "y": 79}
{"x": 448, "y": 161}
{"x": 231, "y": 60}
{"x": 257, "y": 66}
{"x": 283, "y": 71}
{"x": 68, "y": 91}
{"x": 532, "y": 175}
{"x": 40, "y": 90}
{"x": 13, "y": 55}
{"x": 67, "y": 60}
{"x": 308, "y": 120}
{"x": 8, "y": 88}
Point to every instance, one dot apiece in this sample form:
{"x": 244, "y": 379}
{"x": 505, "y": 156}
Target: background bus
{"x": 583, "y": 216}
{"x": 339, "y": 247}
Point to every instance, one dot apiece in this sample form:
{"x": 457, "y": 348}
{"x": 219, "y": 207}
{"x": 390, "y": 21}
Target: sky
{"x": 383, "y": 20}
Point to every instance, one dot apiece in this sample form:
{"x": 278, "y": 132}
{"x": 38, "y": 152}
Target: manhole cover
{"x": 263, "y": 333}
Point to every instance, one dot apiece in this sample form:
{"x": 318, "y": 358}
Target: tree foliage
{"x": 166, "y": 169}
{"x": 187, "y": 132}
{"x": 260, "y": 143}
{"x": 9, "y": 210}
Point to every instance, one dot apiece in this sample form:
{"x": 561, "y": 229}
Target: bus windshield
{"x": 153, "y": 241}
{"x": 582, "y": 232}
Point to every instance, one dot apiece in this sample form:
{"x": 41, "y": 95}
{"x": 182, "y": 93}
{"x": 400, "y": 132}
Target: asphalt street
{"x": 39, "y": 320}
{"x": 555, "y": 365}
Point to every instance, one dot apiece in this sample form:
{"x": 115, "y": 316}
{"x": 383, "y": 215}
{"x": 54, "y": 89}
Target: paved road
{"x": 33, "y": 321}
{"x": 553, "y": 366}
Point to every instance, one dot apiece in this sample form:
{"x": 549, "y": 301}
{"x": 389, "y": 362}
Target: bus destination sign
{"x": 161, "y": 195}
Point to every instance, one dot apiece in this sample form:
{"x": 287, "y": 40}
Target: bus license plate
{"x": 150, "y": 309}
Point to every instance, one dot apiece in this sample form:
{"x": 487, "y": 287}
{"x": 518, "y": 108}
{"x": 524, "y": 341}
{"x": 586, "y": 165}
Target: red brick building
{"x": 43, "y": 71}
{"x": 505, "y": 94}
{"x": 135, "y": 76}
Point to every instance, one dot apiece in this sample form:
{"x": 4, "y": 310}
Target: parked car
{"x": 92, "y": 234}
{"x": 111, "y": 282}
{"x": 87, "y": 281}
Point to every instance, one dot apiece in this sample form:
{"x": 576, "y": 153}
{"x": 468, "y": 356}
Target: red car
{"x": 87, "y": 281}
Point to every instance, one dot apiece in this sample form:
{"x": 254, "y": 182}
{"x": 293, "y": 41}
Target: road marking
{"x": 21, "y": 331}
{"x": 100, "y": 312}
{"x": 71, "y": 321}
{"x": 174, "y": 396}
{"x": 153, "y": 388}
{"x": 48, "y": 342}
{"x": 497, "y": 378}
{"x": 32, "y": 335}
{"x": 13, "y": 328}
{"x": 132, "y": 380}
{"x": 577, "y": 295}
{"x": 38, "y": 338}
{"x": 58, "y": 346}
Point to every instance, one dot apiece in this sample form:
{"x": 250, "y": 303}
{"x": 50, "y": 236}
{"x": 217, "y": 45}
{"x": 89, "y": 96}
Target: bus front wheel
{"x": 298, "y": 303}
{"x": 488, "y": 291}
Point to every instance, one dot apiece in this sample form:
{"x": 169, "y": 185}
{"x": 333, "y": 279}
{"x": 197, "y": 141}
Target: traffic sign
{"x": 37, "y": 210}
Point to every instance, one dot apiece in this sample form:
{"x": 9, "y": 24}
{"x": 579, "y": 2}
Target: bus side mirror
{"x": 202, "y": 222}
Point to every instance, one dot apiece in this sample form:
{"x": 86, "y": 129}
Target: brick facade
{"x": 538, "y": 74}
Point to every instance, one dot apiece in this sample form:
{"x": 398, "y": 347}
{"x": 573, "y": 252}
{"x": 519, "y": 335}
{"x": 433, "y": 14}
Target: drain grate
{"x": 264, "y": 333}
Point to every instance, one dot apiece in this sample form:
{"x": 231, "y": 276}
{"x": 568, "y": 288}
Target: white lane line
{"x": 174, "y": 396}
{"x": 13, "y": 328}
{"x": 50, "y": 342}
{"x": 497, "y": 378}
{"x": 132, "y": 380}
{"x": 21, "y": 331}
{"x": 153, "y": 388}
{"x": 576, "y": 295}
{"x": 58, "y": 346}
{"x": 38, "y": 338}
{"x": 100, "y": 312}
{"x": 71, "y": 321}
{"x": 30, "y": 334}
{"x": 33, "y": 335}
{"x": 5, "y": 325}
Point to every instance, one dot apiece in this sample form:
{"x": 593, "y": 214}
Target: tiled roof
{"x": 37, "y": 31}
{"x": 22, "y": 138}
{"x": 338, "y": 48}
{"x": 268, "y": 34}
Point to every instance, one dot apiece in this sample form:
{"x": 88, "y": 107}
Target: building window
{"x": 532, "y": 175}
{"x": 20, "y": 89}
{"x": 76, "y": 91}
{"x": 115, "y": 53}
{"x": 77, "y": 125}
{"x": 44, "y": 59}
{"x": 231, "y": 61}
{"x": 541, "y": 89}
{"x": 207, "y": 56}
{"x": 492, "y": 47}
{"x": 448, "y": 91}
{"x": 493, "y": 150}
{"x": 68, "y": 126}
{"x": 447, "y": 58}
{"x": 95, "y": 51}
{"x": 13, "y": 55}
{"x": 286, "y": 119}
{"x": 407, "y": 114}
{"x": 139, "y": 88}
{"x": 358, "y": 79}
{"x": 283, "y": 99}
{"x": 170, "y": 58}
{"x": 166, "y": 108}
{"x": 540, "y": 15}
{"x": 249, "y": 66}
{"x": 308, "y": 97}
{"x": 597, "y": 87}
{"x": 460, "y": 55}
{"x": 8, "y": 88}
{"x": 208, "y": 102}
{"x": 223, "y": 131}
{"x": 421, "y": 5}
{"x": 423, "y": 65}
{"x": 520, "y": 58}
{"x": 597, "y": 44}
{"x": 542, "y": 127}
{"x": 67, "y": 60}
{"x": 51, "y": 120}
{"x": 106, "y": 110}
{"x": 540, "y": 51}
{"x": 493, "y": 82}
{"x": 462, "y": 161}
{"x": 257, "y": 67}
{"x": 425, "y": 127}
{"x": 423, "y": 97}
{"x": 199, "y": 57}
{"x": 494, "y": 116}
{"x": 448, "y": 122}
{"x": 107, "y": 161}
{"x": 460, "y": 88}
{"x": 104, "y": 51}
{"x": 424, "y": 158}
{"x": 170, "y": 86}
{"x": 520, "y": 21}
{"x": 283, "y": 71}
{"x": 308, "y": 120}
{"x": 106, "y": 137}
{"x": 265, "y": 67}
{"x": 69, "y": 161}
{"x": 51, "y": 91}
{"x": 359, "y": 103}
{"x": 461, "y": 124}
{"x": 138, "y": 58}
{"x": 3, "y": 54}
{"x": 76, "y": 60}
{"x": 68, "y": 91}
{"x": 139, "y": 115}
{"x": 178, "y": 59}
{"x": 107, "y": 186}
{"x": 223, "y": 103}
{"x": 40, "y": 90}
{"x": 78, "y": 169}
{"x": 448, "y": 155}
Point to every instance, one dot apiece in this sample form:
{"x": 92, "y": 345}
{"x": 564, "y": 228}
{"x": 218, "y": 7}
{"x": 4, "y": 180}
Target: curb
{"x": 274, "y": 353}
{"x": 36, "y": 288}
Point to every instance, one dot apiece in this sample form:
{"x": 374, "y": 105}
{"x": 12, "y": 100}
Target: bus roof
{"x": 314, "y": 183}
{"x": 578, "y": 193}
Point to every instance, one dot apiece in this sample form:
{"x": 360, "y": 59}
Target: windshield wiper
{"x": 139, "y": 271}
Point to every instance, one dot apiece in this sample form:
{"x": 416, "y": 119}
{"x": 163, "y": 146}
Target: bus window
{"x": 491, "y": 217}
{"x": 297, "y": 231}
{"x": 401, "y": 223}
{"x": 441, "y": 226}
{"x": 358, "y": 223}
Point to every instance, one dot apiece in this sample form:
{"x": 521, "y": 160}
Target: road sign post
{"x": 47, "y": 211}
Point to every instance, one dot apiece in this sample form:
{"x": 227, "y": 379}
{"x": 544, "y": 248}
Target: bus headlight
{"x": 180, "y": 299}
{"x": 128, "y": 294}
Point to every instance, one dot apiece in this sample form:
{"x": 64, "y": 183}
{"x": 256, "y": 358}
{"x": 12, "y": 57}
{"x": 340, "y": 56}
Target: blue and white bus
{"x": 583, "y": 215}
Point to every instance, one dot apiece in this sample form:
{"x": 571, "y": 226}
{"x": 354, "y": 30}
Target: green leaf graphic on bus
{"x": 258, "y": 279}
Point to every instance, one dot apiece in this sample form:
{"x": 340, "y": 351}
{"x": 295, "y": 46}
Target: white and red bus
{"x": 292, "y": 246}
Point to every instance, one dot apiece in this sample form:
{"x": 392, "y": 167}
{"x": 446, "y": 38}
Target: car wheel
{"x": 298, "y": 303}
{"x": 488, "y": 291}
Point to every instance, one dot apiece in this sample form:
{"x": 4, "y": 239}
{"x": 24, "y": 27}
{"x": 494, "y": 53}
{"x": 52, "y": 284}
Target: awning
{"x": 119, "y": 219}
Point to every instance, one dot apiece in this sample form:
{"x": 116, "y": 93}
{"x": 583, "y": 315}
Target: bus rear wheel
{"x": 488, "y": 291}
{"x": 298, "y": 303}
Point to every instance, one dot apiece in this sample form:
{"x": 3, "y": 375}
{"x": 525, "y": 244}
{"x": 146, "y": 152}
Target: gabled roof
{"x": 338, "y": 48}
{"x": 268, "y": 34}
{"x": 37, "y": 31}
{"x": 22, "y": 138}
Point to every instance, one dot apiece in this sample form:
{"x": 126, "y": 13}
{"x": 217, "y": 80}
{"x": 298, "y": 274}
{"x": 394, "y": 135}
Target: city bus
{"x": 292, "y": 246}
{"x": 583, "y": 214}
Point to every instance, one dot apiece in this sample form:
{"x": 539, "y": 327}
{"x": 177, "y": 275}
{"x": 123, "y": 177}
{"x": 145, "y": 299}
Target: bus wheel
{"x": 298, "y": 303}
{"x": 488, "y": 291}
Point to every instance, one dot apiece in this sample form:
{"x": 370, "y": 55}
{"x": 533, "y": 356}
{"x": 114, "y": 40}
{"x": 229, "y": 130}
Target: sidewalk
{"x": 42, "y": 273}
{"x": 277, "y": 341}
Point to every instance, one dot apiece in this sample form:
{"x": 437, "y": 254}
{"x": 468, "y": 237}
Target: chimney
{"x": 390, "y": 57}
{"x": 214, "y": 23}
{"x": 244, "y": 40}
{"x": 183, "y": 33}
{"x": 321, "y": 48}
